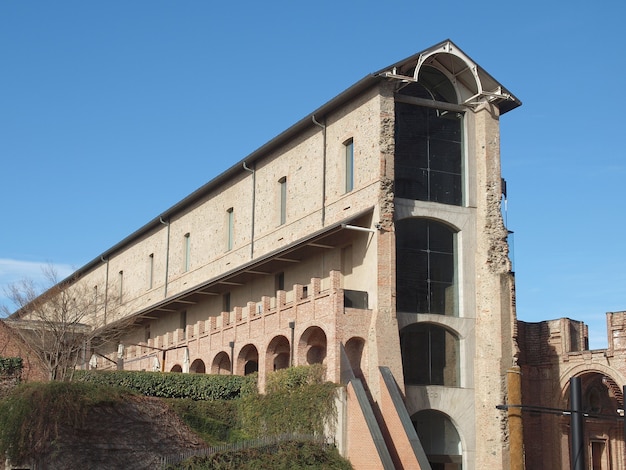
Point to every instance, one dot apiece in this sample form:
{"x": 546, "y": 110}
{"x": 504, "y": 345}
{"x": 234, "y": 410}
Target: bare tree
{"x": 62, "y": 323}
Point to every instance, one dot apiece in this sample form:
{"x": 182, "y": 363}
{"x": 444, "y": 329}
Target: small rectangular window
{"x": 283, "y": 199}
{"x": 187, "y": 252}
{"x": 121, "y": 280}
{"x": 226, "y": 302}
{"x": 230, "y": 215}
{"x": 146, "y": 333}
{"x": 183, "y": 323}
{"x": 150, "y": 270}
{"x": 95, "y": 299}
{"x": 280, "y": 281}
{"x": 349, "y": 165}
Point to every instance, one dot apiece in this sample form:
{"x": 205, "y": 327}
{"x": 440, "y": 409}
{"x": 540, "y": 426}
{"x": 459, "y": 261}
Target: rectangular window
{"x": 146, "y": 333}
{"x": 280, "y": 281}
{"x": 183, "y": 323}
{"x": 95, "y": 299}
{"x": 226, "y": 302}
{"x": 283, "y": 199}
{"x": 187, "y": 252}
{"x": 121, "y": 291}
{"x": 150, "y": 270}
{"x": 230, "y": 221}
{"x": 349, "y": 164}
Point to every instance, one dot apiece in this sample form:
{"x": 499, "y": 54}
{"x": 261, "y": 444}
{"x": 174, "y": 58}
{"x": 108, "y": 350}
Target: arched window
{"x": 429, "y": 142}
{"x": 425, "y": 267}
{"x": 440, "y": 440}
{"x": 430, "y": 355}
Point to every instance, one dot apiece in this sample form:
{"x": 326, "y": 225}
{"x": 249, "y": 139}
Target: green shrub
{"x": 215, "y": 421}
{"x": 175, "y": 385}
{"x": 10, "y": 366}
{"x": 291, "y": 455}
{"x": 297, "y": 401}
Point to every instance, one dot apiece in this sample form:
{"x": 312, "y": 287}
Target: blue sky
{"x": 111, "y": 112}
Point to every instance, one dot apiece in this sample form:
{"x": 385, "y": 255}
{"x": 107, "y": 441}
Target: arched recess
{"x": 176, "y": 368}
{"x": 355, "y": 349}
{"x": 278, "y": 354}
{"x": 430, "y": 355}
{"x": 603, "y": 429}
{"x": 248, "y": 360}
{"x": 197, "y": 367}
{"x": 440, "y": 439}
{"x": 426, "y": 267}
{"x": 221, "y": 364}
{"x": 312, "y": 346}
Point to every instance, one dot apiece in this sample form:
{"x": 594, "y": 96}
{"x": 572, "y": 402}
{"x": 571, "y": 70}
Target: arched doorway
{"x": 248, "y": 360}
{"x": 221, "y": 364}
{"x": 176, "y": 368}
{"x": 278, "y": 354}
{"x": 354, "y": 350}
{"x": 440, "y": 439}
{"x": 312, "y": 346}
{"x": 197, "y": 367}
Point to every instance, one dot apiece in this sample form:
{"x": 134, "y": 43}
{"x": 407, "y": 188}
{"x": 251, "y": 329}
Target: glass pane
{"x": 445, "y": 188}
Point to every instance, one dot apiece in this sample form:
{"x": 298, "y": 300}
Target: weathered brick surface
{"x": 12, "y": 345}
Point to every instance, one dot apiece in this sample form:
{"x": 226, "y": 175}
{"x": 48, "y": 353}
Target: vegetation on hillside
{"x": 297, "y": 402}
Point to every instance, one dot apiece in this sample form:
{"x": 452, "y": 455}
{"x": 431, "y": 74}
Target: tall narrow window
{"x": 425, "y": 267}
{"x": 283, "y": 199}
{"x": 226, "y": 302}
{"x": 95, "y": 299}
{"x": 187, "y": 252}
{"x": 230, "y": 221}
{"x": 429, "y": 142}
{"x": 150, "y": 270}
{"x": 121, "y": 280}
{"x": 349, "y": 165}
{"x": 280, "y": 281}
{"x": 183, "y": 323}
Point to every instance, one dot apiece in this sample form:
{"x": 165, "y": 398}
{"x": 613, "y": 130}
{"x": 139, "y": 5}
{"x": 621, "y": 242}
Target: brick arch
{"x": 312, "y": 346}
{"x": 278, "y": 354}
{"x": 355, "y": 349}
{"x": 605, "y": 387}
{"x": 247, "y": 360}
{"x": 581, "y": 369}
{"x": 221, "y": 364}
{"x": 176, "y": 368}
{"x": 197, "y": 367}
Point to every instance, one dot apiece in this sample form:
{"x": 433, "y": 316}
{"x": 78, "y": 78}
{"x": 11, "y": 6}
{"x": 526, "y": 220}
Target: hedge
{"x": 175, "y": 385}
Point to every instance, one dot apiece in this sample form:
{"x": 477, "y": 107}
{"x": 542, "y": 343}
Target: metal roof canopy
{"x": 473, "y": 83}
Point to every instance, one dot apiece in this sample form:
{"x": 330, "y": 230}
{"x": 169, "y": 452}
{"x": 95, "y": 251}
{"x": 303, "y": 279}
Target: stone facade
{"x": 370, "y": 230}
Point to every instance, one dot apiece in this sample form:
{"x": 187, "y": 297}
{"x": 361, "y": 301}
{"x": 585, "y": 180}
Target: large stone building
{"x": 369, "y": 237}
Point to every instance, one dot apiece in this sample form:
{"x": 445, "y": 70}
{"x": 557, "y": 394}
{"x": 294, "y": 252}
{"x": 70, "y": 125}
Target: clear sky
{"x": 111, "y": 112}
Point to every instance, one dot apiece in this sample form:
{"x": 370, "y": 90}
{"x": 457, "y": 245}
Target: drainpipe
{"x": 253, "y": 171}
{"x": 323, "y": 127}
{"x": 167, "y": 254}
{"x": 232, "y": 357}
{"x": 106, "y": 288}
{"x": 292, "y": 326}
